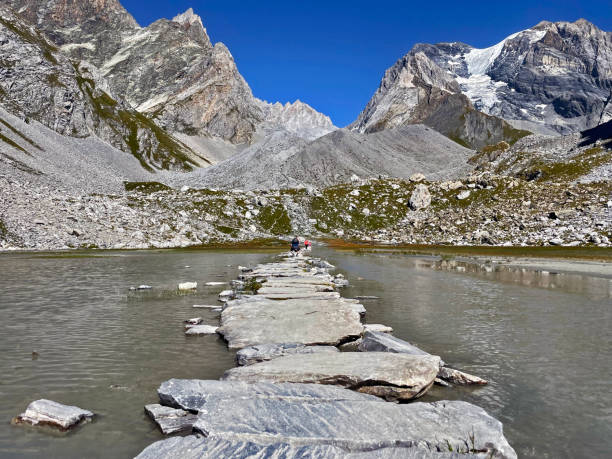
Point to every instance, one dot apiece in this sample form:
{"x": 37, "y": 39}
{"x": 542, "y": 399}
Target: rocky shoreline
{"x": 483, "y": 209}
{"x": 295, "y": 395}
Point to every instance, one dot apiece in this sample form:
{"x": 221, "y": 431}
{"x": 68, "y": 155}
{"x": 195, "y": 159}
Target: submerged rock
{"x": 50, "y": 413}
{"x": 263, "y": 352}
{"x": 387, "y": 375}
{"x": 201, "y": 330}
{"x": 170, "y": 420}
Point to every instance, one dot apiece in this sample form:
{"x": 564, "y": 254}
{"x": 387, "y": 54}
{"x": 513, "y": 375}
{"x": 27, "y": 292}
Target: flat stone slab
{"x": 193, "y": 394}
{"x": 200, "y": 447}
{"x": 208, "y": 306}
{"x": 301, "y": 281}
{"x": 264, "y": 352}
{"x": 201, "y": 330}
{"x": 296, "y": 288}
{"x": 356, "y": 426}
{"x": 387, "y": 375}
{"x": 288, "y": 295}
{"x": 258, "y": 320}
{"x": 49, "y": 413}
{"x": 170, "y": 420}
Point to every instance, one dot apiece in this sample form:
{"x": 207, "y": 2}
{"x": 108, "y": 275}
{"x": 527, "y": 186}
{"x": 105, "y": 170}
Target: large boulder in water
{"x": 49, "y": 413}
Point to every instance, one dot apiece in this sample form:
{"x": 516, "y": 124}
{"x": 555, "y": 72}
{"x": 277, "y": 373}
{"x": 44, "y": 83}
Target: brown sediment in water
{"x": 578, "y": 253}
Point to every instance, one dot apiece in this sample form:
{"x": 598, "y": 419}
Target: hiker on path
{"x": 295, "y": 245}
{"x": 307, "y": 245}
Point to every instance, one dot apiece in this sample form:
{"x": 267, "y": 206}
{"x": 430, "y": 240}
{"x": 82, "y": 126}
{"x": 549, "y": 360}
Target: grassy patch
{"x": 34, "y": 38}
{"x": 30, "y": 141}
{"x": 274, "y": 220}
{"x": 161, "y": 149}
{"x": 9, "y": 142}
{"x": 570, "y": 169}
{"x": 512, "y": 135}
{"x": 145, "y": 187}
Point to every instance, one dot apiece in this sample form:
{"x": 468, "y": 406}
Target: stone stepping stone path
{"x": 289, "y": 397}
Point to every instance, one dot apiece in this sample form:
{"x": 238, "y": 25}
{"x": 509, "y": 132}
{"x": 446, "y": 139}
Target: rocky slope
{"x": 553, "y": 78}
{"x": 37, "y": 82}
{"x": 284, "y": 161}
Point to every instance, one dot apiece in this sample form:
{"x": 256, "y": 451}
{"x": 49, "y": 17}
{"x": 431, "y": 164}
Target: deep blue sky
{"x": 332, "y": 54}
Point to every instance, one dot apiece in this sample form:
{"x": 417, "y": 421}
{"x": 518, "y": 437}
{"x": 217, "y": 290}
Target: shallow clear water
{"x": 544, "y": 345}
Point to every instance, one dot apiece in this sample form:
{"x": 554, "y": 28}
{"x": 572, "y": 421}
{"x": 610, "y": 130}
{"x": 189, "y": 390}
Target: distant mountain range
{"x": 175, "y": 101}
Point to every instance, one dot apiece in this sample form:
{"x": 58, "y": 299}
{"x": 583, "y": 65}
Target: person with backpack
{"x": 295, "y": 245}
{"x": 307, "y": 245}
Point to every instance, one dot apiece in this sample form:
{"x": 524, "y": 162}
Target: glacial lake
{"x": 541, "y": 337}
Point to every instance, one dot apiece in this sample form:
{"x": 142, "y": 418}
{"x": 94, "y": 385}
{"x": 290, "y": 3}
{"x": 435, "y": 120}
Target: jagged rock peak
{"x": 193, "y": 25}
{"x": 188, "y": 17}
{"x": 297, "y": 118}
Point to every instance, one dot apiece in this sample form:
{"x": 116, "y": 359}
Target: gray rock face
{"x": 38, "y": 82}
{"x": 170, "y": 420}
{"x": 256, "y": 321}
{"x": 264, "y": 352}
{"x": 392, "y": 376}
{"x": 356, "y": 426}
{"x": 417, "y": 90}
{"x": 194, "y": 394}
{"x": 49, "y": 413}
{"x": 197, "y": 446}
{"x": 551, "y": 78}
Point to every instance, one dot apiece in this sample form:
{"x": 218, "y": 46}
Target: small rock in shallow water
{"x": 209, "y": 306}
{"x": 188, "y": 286}
{"x": 380, "y": 328}
{"x": 201, "y": 330}
{"x": 194, "y": 321}
{"x": 170, "y": 420}
{"x": 226, "y": 295}
{"x": 460, "y": 378}
{"x": 50, "y": 413}
{"x": 214, "y": 284}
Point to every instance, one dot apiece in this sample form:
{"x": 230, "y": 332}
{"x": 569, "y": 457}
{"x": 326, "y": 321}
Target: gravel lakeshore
{"x": 483, "y": 209}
